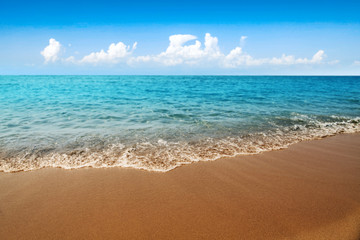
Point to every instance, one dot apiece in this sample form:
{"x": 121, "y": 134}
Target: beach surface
{"x": 309, "y": 191}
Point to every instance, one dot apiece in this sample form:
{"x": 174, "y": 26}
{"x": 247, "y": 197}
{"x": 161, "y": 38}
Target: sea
{"x": 158, "y": 123}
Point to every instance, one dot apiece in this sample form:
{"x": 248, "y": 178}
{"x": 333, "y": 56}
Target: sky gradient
{"x": 162, "y": 37}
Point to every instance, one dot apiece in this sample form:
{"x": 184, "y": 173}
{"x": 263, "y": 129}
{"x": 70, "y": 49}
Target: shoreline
{"x": 310, "y": 190}
{"x": 160, "y": 158}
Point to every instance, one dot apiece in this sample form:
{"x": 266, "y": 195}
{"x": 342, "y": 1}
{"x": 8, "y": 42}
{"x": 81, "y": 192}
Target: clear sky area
{"x": 180, "y": 37}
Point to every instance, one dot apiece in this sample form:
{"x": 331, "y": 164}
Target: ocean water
{"x": 158, "y": 123}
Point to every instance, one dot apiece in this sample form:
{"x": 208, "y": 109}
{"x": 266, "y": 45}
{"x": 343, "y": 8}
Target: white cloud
{"x": 237, "y": 58}
{"x": 242, "y": 40}
{"x": 114, "y": 54}
{"x": 290, "y": 60}
{"x": 181, "y": 51}
{"x": 70, "y": 59}
{"x": 318, "y": 57}
{"x": 51, "y": 51}
{"x": 356, "y": 63}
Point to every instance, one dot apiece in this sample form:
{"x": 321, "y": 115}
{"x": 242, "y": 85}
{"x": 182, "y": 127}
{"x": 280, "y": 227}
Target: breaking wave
{"x": 162, "y": 156}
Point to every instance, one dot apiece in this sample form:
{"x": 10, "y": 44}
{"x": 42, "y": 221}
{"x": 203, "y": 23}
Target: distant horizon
{"x": 229, "y": 75}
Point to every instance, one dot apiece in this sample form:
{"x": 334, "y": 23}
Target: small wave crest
{"x": 163, "y": 156}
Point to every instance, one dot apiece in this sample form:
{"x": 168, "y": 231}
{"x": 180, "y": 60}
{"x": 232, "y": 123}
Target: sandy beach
{"x": 309, "y": 191}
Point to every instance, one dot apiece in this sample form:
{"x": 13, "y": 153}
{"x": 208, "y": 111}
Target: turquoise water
{"x": 160, "y": 122}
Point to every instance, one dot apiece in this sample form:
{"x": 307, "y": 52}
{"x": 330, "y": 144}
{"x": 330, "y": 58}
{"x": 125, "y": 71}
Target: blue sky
{"x": 183, "y": 37}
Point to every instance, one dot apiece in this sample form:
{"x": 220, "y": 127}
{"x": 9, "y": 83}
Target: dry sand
{"x": 308, "y": 191}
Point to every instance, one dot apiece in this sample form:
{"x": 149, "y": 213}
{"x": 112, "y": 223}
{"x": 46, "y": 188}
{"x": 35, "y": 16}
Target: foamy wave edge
{"x": 162, "y": 156}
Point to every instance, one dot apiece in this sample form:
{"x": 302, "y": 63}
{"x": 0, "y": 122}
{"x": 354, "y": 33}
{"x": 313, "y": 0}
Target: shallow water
{"x": 160, "y": 122}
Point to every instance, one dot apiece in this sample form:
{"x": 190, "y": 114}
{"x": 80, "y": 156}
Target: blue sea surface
{"x": 157, "y": 123}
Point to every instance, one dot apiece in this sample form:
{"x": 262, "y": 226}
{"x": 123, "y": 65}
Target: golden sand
{"x": 308, "y": 191}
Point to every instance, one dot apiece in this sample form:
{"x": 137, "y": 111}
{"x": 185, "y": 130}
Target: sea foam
{"x": 163, "y": 156}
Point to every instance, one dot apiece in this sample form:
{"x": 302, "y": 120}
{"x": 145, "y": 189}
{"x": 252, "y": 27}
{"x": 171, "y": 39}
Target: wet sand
{"x": 308, "y": 191}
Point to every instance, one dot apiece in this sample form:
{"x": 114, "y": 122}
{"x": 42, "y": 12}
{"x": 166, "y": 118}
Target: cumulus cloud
{"x": 179, "y": 53}
{"x": 114, "y": 54}
{"x": 237, "y": 57}
{"x": 183, "y": 49}
{"x": 289, "y": 59}
{"x": 51, "y": 51}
